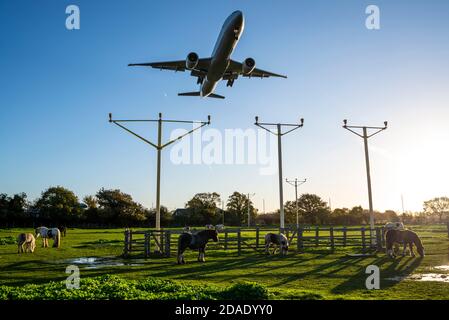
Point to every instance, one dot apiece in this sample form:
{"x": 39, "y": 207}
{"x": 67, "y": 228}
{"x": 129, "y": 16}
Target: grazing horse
{"x": 278, "y": 240}
{"x": 394, "y": 226}
{"x": 26, "y": 240}
{"x": 46, "y": 233}
{"x": 405, "y": 237}
{"x": 195, "y": 241}
{"x": 63, "y": 230}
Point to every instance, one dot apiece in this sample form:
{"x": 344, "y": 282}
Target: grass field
{"x": 315, "y": 274}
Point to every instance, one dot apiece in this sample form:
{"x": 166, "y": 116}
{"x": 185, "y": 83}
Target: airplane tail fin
{"x": 197, "y": 94}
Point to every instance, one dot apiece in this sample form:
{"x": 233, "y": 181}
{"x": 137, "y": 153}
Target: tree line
{"x": 114, "y": 208}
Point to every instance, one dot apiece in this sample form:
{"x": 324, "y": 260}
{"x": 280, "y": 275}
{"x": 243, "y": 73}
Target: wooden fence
{"x": 242, "y": 240}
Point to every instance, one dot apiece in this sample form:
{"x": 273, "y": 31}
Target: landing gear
{"x": 200, "y": 80}
{"x": 236, "y": 34}
{"x": 230, "y": 83}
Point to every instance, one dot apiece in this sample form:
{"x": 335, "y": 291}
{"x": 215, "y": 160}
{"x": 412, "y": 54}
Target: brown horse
{"x": 405, "y": 237}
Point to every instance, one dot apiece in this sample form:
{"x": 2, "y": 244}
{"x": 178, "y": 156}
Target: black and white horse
{"x": 278, "y": 241}
{"x": 195, "y": 241}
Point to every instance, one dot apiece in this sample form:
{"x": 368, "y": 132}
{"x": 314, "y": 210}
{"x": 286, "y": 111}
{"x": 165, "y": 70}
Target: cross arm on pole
{"x": 350, "y": 128}
{"x": 187, "y": 133}
{"x": 264, "y": 126}
{"x": 128, "y": 130}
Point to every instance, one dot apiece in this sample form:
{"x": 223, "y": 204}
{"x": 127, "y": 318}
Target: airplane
{"x": 209, "y": 71}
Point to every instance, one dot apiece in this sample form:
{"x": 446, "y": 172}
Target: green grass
{"x": 315, "y": 274}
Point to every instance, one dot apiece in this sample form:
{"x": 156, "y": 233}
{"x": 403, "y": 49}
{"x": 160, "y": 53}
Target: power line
{"x": 279, "y": 134}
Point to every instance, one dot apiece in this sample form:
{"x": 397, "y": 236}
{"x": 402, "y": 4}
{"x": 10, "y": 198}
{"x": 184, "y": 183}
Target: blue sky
{"x": 57, "y": 87}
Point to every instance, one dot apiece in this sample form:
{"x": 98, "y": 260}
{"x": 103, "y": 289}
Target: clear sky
{"x": 57, "y": 87}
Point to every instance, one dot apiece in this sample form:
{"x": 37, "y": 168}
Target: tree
{"x": 437, "y": 207}
{"x": 204, "y": 208}
{"x": 166, "y": 217}
{"x": 116, "y": 207}
{"x": 58, "y": 205}
{"x": 237, "y": 209}
{"x": 13, "y": 209}
{"x": 312, "y": 209}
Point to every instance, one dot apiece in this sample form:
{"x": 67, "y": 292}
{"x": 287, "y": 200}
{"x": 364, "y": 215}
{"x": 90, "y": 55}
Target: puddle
{"x": 443, "y": 268}
{"x": 422, "y": 277}
{"x": 97, "y": 262}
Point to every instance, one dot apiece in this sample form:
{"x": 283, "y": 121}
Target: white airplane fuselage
{"x": 227, "y": 41}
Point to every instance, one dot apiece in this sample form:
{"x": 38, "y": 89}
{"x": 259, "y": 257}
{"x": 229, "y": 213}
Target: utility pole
{"x": 279, "y": 134}
{"x": 249, "y": 213}
{"x": 263, "y": 206}
{"x": 295, "y": 184}
{"x": 365, "y": 136}
{"x": 159, "y": 147}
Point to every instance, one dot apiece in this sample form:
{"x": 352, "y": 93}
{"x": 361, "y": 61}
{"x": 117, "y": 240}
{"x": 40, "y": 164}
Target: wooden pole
{"x": 317, "y": 236}
{"x": 167, "y": 243}
{"x": 300, "y": 244}
{"x": 239, "y": 245}
{"x": 344, "y": 236}
{"x": 257, "y": 237}
{"x": 332, "y": 238}
{"x": 126, "y": 247}
{"x": 379, "y": 239}
{"x": 226, "y": 240}
{"x": 363, "y": 239}
{"x": 147, "y": 245}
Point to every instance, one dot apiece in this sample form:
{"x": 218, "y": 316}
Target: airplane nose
{"x": 238, "y": 17}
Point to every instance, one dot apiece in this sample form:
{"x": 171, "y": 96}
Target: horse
{"x": 63, "y": 230}
{"x": 394, "y": 226}
{"x": 195, "y": 241}
{"x": 280, "y": 240}
{"x": 405, "y": 237}
{"x": 27, "y": 240}
{"x": 46, "y": 233}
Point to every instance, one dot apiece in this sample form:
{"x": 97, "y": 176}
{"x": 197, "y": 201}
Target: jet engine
{"x": 192, "y": 60}
{"x": 248, "y": 65}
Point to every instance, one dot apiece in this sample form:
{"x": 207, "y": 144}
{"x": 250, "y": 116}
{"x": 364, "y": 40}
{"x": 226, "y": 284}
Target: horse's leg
{"x": 404, "y": 250}
{"x": 203, "y": 253}
{"x": 181, "y": 256}
{"x": 267, "y": 246}
{"x": 411, "y": 249}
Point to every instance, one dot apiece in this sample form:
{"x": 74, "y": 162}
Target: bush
{"x": 110, "y": 287}
{"x": 8, "y": 240}
{"x": 246, "y": 291}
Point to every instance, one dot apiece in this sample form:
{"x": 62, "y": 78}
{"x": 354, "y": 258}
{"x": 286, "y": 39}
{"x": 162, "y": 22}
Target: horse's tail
{"x": 57, "y": 242}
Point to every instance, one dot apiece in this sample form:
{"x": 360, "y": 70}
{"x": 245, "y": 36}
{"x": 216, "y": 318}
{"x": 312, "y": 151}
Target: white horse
{"x": 46, "y": 233}
{"x": 279, "y": 240}
{"x": 26, "y": 240}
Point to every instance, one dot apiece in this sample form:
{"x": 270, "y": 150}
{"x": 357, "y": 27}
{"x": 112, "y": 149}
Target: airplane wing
{"x": 236, "y": 67}
{"x": 202, "y": 66}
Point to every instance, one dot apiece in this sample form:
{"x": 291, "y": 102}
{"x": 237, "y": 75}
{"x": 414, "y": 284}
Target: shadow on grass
{"x": 403, "y": 267}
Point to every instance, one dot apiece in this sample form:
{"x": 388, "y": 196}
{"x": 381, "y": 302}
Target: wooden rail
{"x": 164, "y": 242}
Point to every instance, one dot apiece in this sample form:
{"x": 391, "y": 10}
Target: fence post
{"x": 239, "y": 245}
{"x": 160, "y": 234}
{"x": 379, "y": 239}
{"x": 300, "y": 244}
{"x": 126, "y": 248}
{"x": 130, "y": 242}
{"x": 167, "y": 243}
{"x": 257, "y": 237}
{"x": 147, "y": 245}
{"x": 317, "y": 236}
{"x": 226, "y": 240}
{"x": 363, "y": 239}
{"x": 331, "y": 230}
{"x": 344, "y": 236}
